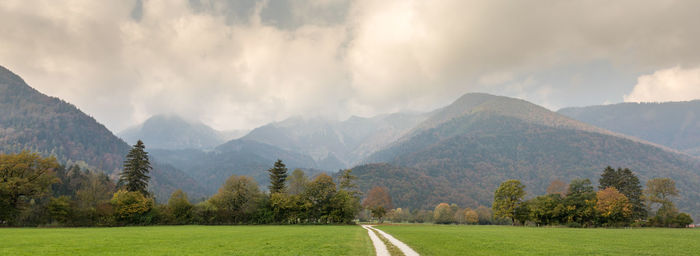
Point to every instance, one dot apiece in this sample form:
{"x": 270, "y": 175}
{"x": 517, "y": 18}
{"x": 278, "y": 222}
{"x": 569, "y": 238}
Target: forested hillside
{"x": 470, "y": 148}
{"x": 239, "y": 157}
{"x": 30, "y": 120}
{"x": 672, "y": 124}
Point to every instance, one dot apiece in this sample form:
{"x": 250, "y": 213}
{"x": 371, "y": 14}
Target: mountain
{"x": 672, "y": 124}
{"x": 481, "y": 140}
{"x": 30, "y": 120}
{"x": 335, "y": 144}
{"x": 239, "y": 157}
{"x": 173, "y": 132}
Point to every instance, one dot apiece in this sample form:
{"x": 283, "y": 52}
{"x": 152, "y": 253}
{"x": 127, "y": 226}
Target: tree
{"x": 660, "y": 192}
{"x": 580, "y": 203}
{"x": 557, "y": 187}
{"x": 135, "y": 177}
{"x": 23, "y": 177}
{"x": 346, "y": 181}
{"x": 627, "y": 183}
{"x": 378, "y": 201}
{"x": 547, "y": 209}
{"x": 60, "y": 209}
{"x": 682, "y": 220}
{"x": 485, "y": 215}
{"x": 346, "y": 202}
{"x": 180, "y": 207}
{"x": 507, "y": 198}
{"x": 471, "y": 216}
{"x": 130, "y": 207}
{"x": 297, "y": 182}
{"x": 236, "y": 200}
{"x": 443, "y": 214}
{"x": 319, "y": 194}
{"x": 613, "y": 206}
{"x": 278, "y": 176}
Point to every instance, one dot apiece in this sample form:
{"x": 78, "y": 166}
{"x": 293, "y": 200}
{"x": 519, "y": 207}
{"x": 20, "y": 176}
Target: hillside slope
{"x": 239, "y": 157}
{"x": 482, "y": 140}
{"x": 672, "y": 124}
{"x": 30, "y": 120}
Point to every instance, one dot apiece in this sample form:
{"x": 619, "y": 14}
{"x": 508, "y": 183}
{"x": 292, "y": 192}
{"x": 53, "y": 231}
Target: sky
{"x": 242, "y": 64}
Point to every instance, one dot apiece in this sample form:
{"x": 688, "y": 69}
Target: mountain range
{"x": 462, "y": 152}
{"x": 672, "y": 124}
{"x": 458, "y": 154}
{"x": 30, "y": 120}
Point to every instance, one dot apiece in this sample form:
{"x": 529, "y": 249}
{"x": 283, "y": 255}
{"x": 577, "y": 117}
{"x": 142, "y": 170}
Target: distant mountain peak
{"x": 168, "y": 131}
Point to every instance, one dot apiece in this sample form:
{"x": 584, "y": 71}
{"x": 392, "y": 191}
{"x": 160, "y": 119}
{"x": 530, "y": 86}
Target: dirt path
{"x": 379, "y": 246}
{"x": 402, "y": 246}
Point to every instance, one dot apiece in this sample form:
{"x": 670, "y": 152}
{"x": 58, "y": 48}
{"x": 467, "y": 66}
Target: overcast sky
{"x": 241, "y": 64}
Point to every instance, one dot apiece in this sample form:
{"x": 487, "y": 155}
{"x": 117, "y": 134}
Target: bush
{"x": 132, "y": 207}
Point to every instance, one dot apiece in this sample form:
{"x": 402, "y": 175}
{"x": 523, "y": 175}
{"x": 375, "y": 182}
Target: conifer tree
{"x": 136, "y": 168}
{"x": 278, "y": 176}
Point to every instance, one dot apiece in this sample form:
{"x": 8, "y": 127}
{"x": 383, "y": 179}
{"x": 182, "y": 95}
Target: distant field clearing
{"x": 187, "y": 240}
{"x": 506, "y": 240}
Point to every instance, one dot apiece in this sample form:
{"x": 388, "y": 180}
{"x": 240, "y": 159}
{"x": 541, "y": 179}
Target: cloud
{"x": 672, "y": 84}
{"x": 240, "y": 64}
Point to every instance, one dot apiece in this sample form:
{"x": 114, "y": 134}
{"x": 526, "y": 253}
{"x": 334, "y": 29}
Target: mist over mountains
{"x": 672, "y": 124}
{"x": 456, "y": 154}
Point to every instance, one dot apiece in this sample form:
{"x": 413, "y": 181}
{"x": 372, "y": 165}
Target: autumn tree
{"x": 278, "y": 176}
{"x": 613, "y": 207}
{"x": 557, "y": 187}
{"x": 627, "y": 183}
{"x": 507, "y": 198}
{"x": 23, "y": 177}
{"x": 135, "y": 177}
{"x": 130, "y": 207}
{"x": 378, "y": 201}
{"x": 443, "y": 214}
{"x": 471, "y": 216}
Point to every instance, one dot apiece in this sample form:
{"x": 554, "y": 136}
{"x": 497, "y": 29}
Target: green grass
{"x": 187, "y": 240}
{"x": 505, "y": 240}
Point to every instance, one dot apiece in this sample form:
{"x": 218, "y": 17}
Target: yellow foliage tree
{"x": 131, "y": 206}
{"x": 613, "y": 206}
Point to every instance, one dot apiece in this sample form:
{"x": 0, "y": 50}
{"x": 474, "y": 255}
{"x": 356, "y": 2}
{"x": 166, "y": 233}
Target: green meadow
{"x": 187, "y": 240}
{"x": 506, "y": 240}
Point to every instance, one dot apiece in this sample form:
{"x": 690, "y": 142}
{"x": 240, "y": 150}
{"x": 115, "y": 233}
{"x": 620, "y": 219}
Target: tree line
{"x": 619, "y": 201}
{"x": 38, "y": 191}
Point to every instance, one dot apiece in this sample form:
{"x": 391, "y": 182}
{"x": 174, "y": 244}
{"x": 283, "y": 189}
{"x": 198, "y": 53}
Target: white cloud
{"x": 672, "y": 84}
{"x": 373, "y": 57}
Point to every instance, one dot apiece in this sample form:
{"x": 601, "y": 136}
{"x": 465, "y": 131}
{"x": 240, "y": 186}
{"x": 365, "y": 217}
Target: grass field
{"x": 187, "y": 240}
{"x": 505, "y": 240}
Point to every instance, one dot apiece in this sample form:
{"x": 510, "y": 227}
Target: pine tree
{"x": 627, "y": 183}
{"x": 136, "y": 168}
{"x": 278, "y": 176}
